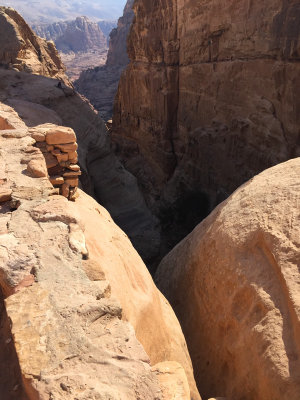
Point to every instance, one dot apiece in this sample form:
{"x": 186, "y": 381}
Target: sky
{"x": 46, "y": 11}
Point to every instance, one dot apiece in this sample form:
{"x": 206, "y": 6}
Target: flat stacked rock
{"x": 59, "y": 147}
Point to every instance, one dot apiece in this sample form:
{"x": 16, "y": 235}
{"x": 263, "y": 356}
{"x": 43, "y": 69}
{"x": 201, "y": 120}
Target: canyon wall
{"x": 103, "y": 176}
{"x": 210, "y": 98}
{"x": 100, "y": 84}
{"x": 234, "y": 283}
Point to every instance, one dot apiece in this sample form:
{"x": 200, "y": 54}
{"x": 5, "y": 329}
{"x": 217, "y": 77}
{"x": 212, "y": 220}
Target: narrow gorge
{"x": 154, "y": 257}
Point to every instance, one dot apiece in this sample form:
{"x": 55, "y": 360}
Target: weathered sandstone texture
{"x": 234, "y": 283}
{"x": 100, "y": 84}
{"x": 22, "y": 50}
{"x": 210, "y": 99}
{"x": 59, "y": 148}
{"x": 42, "y": 100}
{"x": 82, "y": 318}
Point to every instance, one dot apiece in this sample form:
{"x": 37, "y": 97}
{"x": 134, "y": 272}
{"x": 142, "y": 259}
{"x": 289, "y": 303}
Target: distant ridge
{"x": 48, "y": 11}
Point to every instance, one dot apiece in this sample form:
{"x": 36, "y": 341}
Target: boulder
{"x": 234, "y": 283}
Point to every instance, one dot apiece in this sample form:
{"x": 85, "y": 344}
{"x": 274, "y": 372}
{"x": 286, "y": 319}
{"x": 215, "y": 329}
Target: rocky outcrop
{"x": 69, "y": 331}
{"x": 59, "y": 148}
{"x": 100, "y": 84}
{"x": 234, "y": 283}
{"x": 209, "y": 100}
{"x": 22, "y": 50}
{"x": 39, "y": 100}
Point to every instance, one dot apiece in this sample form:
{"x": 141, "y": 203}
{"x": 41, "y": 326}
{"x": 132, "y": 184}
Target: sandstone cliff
{"x": 82, "y": 317}
{"x": 234, "y": 283}
{"x": 22, "y": 50}
{"x": 100, "y": 84}
{"x": 103, "y": 176}
{"x": 210, "y": 98}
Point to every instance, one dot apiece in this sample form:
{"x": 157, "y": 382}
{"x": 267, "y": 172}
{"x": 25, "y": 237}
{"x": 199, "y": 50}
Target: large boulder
{"x": 234, "y": 283}
{"x": 23, "y": 50}
{"x": 80, "y": 314}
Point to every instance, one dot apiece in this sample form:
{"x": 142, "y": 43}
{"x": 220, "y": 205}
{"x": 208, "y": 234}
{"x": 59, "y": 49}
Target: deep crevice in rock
{"x": 11, "y": 384}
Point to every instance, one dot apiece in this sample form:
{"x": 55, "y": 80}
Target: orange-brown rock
{"x": 173, "y": 381}
{"x": 60, "y": 135}
{"x": 210, "y": 99}
{"x": 234, "y": 283}
{"x": 82, "y": 317}
{"x": 22, "y": 50}
{"x": 37, "y": 167}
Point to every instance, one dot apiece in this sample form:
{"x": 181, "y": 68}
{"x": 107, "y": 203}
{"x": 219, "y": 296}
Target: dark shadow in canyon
{"x": 11, "y": 384}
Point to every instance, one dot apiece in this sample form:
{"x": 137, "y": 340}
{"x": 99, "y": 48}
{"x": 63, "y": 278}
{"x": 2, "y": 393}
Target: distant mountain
{"x": 74, "y": 36}
{"x": 100, "y": 84}
{"x": 107, "y": 26}
{"x": 47, "y": 11}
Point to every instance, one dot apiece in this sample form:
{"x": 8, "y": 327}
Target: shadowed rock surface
{"x": 234, "y": 283}
{"x": 210, "y": 99}
{"x": 100, "y": 84}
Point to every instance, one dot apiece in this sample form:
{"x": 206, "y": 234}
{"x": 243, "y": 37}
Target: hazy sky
{"x": 37, "y": 11}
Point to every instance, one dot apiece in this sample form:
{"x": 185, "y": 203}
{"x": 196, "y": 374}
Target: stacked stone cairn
{"x": 59, "y": 147}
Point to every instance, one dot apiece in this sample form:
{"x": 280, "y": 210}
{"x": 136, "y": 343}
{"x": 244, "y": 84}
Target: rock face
{"x": 41, "y": 100}
{"x": 74, "y": 36}
{"x": 81, "y": 43}
{"x": 22, "y": 50}
{"x": 100, "y": 84}
{"x": 209, "y": 100}
{"x": 234, "y": 283}
{"x": 69, "y": 331}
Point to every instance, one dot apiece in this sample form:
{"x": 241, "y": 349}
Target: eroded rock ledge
{"x": 84, "y": 318}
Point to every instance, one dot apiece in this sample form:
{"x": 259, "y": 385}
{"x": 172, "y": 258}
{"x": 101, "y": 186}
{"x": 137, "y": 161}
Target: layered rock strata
{"x": 234, "y": 283}
{"x": 210, "y": 98}
{"x": 22, "y": 50}
{"x": 59, "y": 147}
{"x": 41, "y": 100}
{"x": 69, "y": 331}
{"x": 100, "y": 84}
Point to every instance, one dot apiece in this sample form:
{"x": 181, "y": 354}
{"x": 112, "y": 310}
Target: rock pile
{"x": 59, "y": 147}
